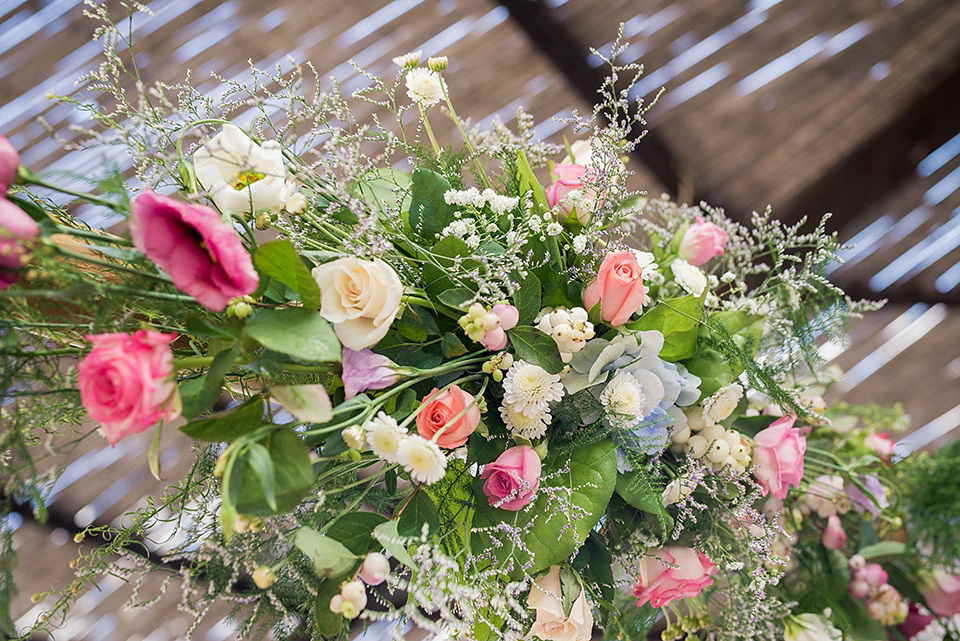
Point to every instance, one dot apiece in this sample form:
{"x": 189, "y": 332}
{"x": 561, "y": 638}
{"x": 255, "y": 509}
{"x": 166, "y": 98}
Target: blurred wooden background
{"x": 808, "y": 105}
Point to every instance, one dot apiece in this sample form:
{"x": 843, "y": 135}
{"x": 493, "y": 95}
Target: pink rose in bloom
{"x": 9, "y": 163}
{"x": 496, "y": 339}
{"x": 365, "y": 369}
{"x": 778, "y": 455}
{"x": 834, "y": 535}
{"x": 126, "y": 382}
{"x": 701, "y": 242}
{"x": 881, "y": 444}
{"x": 513, "y": 478}
{"x": 17, "y": 232}
{"x": 439, "y": 408}
{"x": 551, "y": 623}
{"x": 942, "y": 592}
{"x": 674, "y": 572}
{"x": 618, "y": 288}
{"x": 202, "y": 254}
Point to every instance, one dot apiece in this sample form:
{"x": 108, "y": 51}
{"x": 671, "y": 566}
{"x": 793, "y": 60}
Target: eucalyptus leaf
{"x": 388, "y": 536}
{"x": 300, "y": 333}
{"x": 331, "y": 559}
{"x": 355, "y": 531}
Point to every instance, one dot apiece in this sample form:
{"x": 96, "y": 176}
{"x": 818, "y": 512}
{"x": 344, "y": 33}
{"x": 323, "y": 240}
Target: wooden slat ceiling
{"x": 809, "y": 105}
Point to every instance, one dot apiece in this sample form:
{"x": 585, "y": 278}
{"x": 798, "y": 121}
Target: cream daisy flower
{"x": 385, "y": 437}
{"x": 722, "y": 403}
{"x": 624, "y": 400}
{"x": 355, "y": 437}
{"x": 525, "y": 426}
{"x": 411, "y": 59}
{"x": 422, "y": 459}
{"x": 424, "y": 87}
{"x": 529, "y": 389}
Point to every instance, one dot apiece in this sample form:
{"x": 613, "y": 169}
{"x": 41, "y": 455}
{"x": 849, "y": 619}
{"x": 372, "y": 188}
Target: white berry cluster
{"x": 568, "y": 327}
{"x": 720, "y": 446}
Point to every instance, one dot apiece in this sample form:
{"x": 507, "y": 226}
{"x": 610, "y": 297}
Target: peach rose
{"x": 360, "y": 297}
{"x": 674, "y": 572}
{"x": 440, "y": 408}
{"x": 551, "y": 624}
{"x": 778, "y": 455}
{"x": 618, "y": 288}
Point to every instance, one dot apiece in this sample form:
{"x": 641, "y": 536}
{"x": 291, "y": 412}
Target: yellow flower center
{"x": 247, "y": 178}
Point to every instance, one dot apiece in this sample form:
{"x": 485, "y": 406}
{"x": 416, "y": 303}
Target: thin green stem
{"x": 426, "y": 126}
{"x": 114, "y": 266}
{"x": 94, "y": 235}
{"x": 28, "y": 177}
{"x": 463, "y": 134}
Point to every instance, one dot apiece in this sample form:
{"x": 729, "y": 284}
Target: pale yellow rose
{"x": 360, "y": 297}
{"x": 551, "y": 624}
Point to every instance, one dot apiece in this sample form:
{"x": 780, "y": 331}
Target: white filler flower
{"x": 385, "y": 436}
{"x": 422, "y": 459}
{"x": 529, "y": 389}
{"x": 424, "y": 87}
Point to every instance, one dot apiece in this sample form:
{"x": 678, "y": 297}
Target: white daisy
{"x": 424, "y": 87}
{"x": 526, "y": 426}
{"x": 722, "y": 403}
{"x": 385, "y": 437}
{"x": 355, "y": 437}
{"x": 422, "y": 459}
{"x": 624, "y": 400}
{"x": 529, "y": 389}
{"x": 411, "y": 59}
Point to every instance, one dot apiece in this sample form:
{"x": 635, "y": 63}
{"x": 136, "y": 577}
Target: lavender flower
{"x": 365, "y": 370}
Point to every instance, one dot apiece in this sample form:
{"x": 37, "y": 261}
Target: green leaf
{"x": 199, "y": 326}
{"x": 528, "y": 182}
{"x": 548, "y": 535}
{"x": 456, "y": 296}
{"x": 452, "y": 346}
{"x": 227, "y": 425}
{"x": 412, "y": 326}
{"x": 527, "y": 299}
{"x": 279, "y": 260}
{"x": 388, "y": 536}
{"x": 153, "y": 455}
{"x": 355, "y": 531}
{"x": 381, "y": 191}
{"x": 292, "y": 479}
{"x": 429, "y": 213}
{"x": 533, "y": 346}
{"x": 307, "y": 403}
{"x": 678, "y": 319}
{"x": 258, "y": 459}
{"x": 198, "y": 396}
{"x": 329, "y": 624}
{"x": 883, "y": 549}
{"x": 297, "y": 332}
{"x": 746, "y": 329}
{"x": 638, "y": 491}
{"x": 419, "y": 510}
{"x": 331, "y": 559}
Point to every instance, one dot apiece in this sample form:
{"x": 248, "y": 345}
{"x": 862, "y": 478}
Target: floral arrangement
{"x": 487, "y": 390}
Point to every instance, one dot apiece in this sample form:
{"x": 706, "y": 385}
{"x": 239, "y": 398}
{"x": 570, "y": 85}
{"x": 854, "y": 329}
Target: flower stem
{"x": 463, "y": 134}
{"x": 28, "y": 177}
{"x": 426, "y": 126}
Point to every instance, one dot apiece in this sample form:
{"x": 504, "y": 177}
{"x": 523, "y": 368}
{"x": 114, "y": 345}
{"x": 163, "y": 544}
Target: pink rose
{"x": 674, "y": 572}
{"x": 701, "y": 242}
{"x": 778, "y": 455}
{"x": 569, "y": 177}
{"x": 834, "y": 535}
{"x": 17, "y": 232}
{"x": 942, "y": 592}
{"x": 551, "y": 624}
{"x": 202, "y": 254}
{"x": 513, "y": 478}
{"x": 440, "y": 408}
{"x": 126, "y": 382}
{"x": 881, "y": 444}
{"x": 618, "y": 288}
{"x": 9, "y": 163}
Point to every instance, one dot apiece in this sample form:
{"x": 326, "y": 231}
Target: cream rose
{"x": 360, "y": 297}
{"x": 240, "y": 175}
{"x": 551, "y": 624}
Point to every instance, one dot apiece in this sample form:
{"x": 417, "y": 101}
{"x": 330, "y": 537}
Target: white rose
{"x": 361, "y": 298}
{"x": 688, "y": 276}
{"x": 240, "y": 175}
{"x": 811, "y": 627}
{"x": 551, "y": 624}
